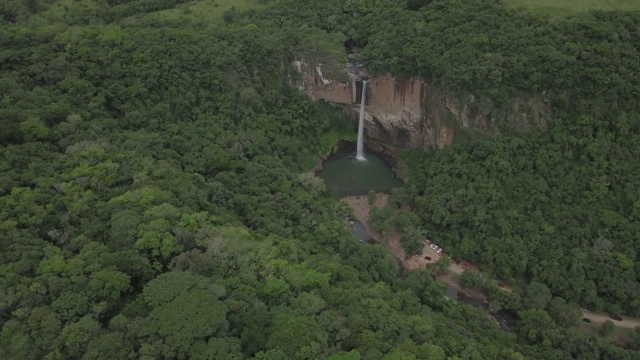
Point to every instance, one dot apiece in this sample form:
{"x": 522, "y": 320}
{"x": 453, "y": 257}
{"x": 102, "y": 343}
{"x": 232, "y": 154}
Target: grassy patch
{"x": 56, "y": 11}
{"x": 561, "y": 7}
{"x": 211, "y": 11}
{"x": 207, "y": 10}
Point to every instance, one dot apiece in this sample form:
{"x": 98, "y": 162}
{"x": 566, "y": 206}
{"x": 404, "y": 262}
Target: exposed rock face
{"x": 414, "y": 113}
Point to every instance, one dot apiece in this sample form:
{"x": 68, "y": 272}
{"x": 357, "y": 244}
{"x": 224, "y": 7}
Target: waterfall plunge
{"x": 360, "y": 153}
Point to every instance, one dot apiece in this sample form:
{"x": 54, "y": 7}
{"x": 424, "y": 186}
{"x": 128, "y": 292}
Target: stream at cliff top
{"x": 347, "y": 176}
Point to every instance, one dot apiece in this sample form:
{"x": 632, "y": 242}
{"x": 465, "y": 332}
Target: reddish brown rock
{"x": 413, "y": 113}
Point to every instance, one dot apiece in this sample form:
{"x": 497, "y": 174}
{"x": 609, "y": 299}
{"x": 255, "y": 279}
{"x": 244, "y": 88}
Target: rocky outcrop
{"x": 414, "y": 113}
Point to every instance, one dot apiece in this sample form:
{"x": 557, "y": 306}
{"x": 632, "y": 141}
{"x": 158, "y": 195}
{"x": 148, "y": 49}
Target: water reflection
{"x": 348, "y": 176}
{"x": 361, "y": 232}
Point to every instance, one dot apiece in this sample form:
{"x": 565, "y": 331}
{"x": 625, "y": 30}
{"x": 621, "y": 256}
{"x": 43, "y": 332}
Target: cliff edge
{"x": 414, "y": 113}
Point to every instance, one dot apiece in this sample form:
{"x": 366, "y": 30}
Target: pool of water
{"x": 452, "y": 293}
{"x": 348, "y": 176}
{"x": 361, "y": 233}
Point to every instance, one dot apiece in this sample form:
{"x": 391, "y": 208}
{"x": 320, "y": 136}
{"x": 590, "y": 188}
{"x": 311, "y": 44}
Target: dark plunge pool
{"x": 346, "y": 176}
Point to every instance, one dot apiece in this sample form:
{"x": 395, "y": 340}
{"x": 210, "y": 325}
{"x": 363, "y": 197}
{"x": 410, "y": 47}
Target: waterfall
{"x": 360, "y": 153}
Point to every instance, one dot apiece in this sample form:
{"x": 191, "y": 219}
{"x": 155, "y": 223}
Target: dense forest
{"x": 154, "y": 200}
{"x": 559, "y": 207}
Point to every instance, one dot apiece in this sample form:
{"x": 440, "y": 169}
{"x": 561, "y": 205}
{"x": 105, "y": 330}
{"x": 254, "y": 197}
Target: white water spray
{"x": 360, "y": 153}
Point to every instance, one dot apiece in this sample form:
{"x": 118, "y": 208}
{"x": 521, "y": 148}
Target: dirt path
{"x": 599, "y": 317}
{"x": 360, "y": 206}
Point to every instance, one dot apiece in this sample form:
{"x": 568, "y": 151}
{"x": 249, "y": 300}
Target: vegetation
{"x": 152, "y": 207}
{"x": 557, "y": 207}
{"x": 554, "y": 207}
{"x": 373, "y": 196}
{"x": 567, "y": 6}
{"x": 607, "y": 328}
{"x": 216, "y": 11}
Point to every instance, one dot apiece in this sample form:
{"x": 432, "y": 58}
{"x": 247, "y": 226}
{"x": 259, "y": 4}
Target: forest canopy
{"x": 557, "y": 207}
{"x": 154, "y": 202}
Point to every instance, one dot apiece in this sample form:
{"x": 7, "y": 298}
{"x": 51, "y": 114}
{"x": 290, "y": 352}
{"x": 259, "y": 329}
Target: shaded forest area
{"x": 152, "y": 207}
{"x": 559, "y": 207}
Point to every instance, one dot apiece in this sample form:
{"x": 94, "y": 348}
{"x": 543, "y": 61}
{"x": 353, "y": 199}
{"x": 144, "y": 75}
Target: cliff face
{"x": 414, "y": 113}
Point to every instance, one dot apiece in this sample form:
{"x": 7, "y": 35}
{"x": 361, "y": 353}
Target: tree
{"x": 255, "y": 324}
{"x": 536, "y": 296}
{"x": 440, "y": 266}
{"x": 45, "y": 327}
{"x": 33, "y": 128}
{"x": 111, "y": 345}
{"x": 375, "y": 262}
{"x": 108, "y": 286}
{"x": 607, "y": 328}
{"x": 565, "y": 315}
{"x": 398, "y": 197}
{"x": 276, "y": 290}
{"x": 634, "y": 342}
{"x": 416, "y": 4}
{"x": 412, "y": 243}
{"x": 468, "y": 278}
{"x": 373, "y": 196}
{"x": 216, "y": 348}
{"x": 155, "y": 239}
{"x": 351, "y": 355}
{"x": 180, "y": 323}
{"x": 77, "y": 336}
{"x": 536, "y": 326}
{"x": 379, "y": 218}
{"x": 398, "y": 354}
{"x": 308, "y": 304}
{"x": 294, "y": 334}
{"x": 229, "y": 15}
{"x": 32, "y": 5}
{"x": 271, "y": 355}
{"x": 168, "y": 286}
{"x": 124, "y": 225}
{"x": 432, "y": 352}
